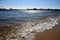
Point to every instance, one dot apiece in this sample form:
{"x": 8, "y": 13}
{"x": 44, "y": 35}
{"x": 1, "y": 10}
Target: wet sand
{"x": 4, "y": 31}
{"x": 52, "y": 34}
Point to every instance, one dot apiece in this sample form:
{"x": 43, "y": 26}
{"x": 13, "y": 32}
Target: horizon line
{"x": 30, "y": 7}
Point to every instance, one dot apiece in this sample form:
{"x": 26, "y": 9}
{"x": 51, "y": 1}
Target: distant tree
{"x": 10, "y": 8}
{"x": 34, "y": 8}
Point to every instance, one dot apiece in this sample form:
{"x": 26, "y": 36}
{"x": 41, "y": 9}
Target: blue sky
{"x": 31, "y": 3}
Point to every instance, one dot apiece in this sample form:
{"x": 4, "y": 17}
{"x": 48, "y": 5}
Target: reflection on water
{"x": 31, "y": 11}
{"x": 16, "y": 17}
{"x": 28, "y": 23}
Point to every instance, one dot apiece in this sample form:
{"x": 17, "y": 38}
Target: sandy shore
{"x": 4, "y": 31}
{"x": 52, "y": 34}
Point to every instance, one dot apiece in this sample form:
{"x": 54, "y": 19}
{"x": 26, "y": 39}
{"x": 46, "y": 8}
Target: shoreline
{"x": 12, "y": 32}
{"x": 11, "y": 9}
{"x": 52, "y": 34}
{"x": 16, "y": 32}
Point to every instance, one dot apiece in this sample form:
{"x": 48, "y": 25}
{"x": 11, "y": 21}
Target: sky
{"x": 30, "y": 3}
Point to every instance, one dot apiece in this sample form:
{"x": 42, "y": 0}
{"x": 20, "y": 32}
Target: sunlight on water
{"x": 31, "y": 11}
{"x": 28, "y": 29}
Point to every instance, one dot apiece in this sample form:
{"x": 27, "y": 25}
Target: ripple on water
{"x": 27, "y": 31}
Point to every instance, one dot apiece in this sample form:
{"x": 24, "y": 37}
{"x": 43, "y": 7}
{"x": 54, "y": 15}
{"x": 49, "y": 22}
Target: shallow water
{"x": 28, "y": 22}
{"x": 16, "y": 17}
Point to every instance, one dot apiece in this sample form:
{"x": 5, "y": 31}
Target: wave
{"x": 33, "y": 22}
{"x": 27, "y": 30}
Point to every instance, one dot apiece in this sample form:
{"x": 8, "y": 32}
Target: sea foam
{"x": 30, "y": 29}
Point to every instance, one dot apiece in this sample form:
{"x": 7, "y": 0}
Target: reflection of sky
{"x": 40, "y": 3}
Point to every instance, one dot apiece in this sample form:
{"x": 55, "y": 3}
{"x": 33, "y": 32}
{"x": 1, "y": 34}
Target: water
{"x": 16, "y": 17}
{"x": 30, "y": 22}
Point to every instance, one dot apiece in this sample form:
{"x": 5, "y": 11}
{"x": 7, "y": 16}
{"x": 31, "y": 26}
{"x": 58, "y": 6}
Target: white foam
{"x": 28, "y": 31}
{"x": 38, "y": 28}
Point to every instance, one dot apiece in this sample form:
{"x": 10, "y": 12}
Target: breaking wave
{"x": 29, "y": 23}
{"x": 28, "y": 30}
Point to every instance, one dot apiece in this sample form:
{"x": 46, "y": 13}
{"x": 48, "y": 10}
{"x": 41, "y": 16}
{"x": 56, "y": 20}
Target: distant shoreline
{"x": 28, "y": 9}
